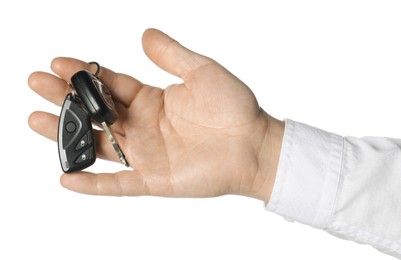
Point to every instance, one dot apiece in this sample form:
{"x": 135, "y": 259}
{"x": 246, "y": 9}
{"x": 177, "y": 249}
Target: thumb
{"x": 170, "y": 55}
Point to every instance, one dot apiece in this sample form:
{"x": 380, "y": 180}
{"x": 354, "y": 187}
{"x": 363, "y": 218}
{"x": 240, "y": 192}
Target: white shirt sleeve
{"x": 350, "y": 187}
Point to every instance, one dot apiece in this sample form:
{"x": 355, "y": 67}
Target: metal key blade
{"x": 114, "y": 142}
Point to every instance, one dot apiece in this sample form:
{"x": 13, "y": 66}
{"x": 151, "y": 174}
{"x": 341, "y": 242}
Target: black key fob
{"x": 91, "y": 100}
{"x": 75, "y": 138}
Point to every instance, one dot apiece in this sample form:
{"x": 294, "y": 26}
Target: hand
{"x": 204, "y": 137}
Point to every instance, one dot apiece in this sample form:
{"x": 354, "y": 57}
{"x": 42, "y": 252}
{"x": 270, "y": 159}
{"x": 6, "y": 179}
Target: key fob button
{"x": 83, "y": 142}
{"x": 70, "y": 127}
{"x": 85, "y": 156}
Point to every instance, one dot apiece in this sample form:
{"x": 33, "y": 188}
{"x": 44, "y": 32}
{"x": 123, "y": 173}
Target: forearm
{"x": 349, "y": 187}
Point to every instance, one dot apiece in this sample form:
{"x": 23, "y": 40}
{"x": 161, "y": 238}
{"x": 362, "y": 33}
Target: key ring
{"x": 97, "y": 69}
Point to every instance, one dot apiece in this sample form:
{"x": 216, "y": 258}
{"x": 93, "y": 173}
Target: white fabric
{"x": 350, "y": 187}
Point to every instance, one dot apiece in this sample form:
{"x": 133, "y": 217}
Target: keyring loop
{"x": 98, "y": 68}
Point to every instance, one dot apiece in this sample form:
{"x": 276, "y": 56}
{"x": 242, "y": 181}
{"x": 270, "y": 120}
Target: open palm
{"x": 200, "y": 138}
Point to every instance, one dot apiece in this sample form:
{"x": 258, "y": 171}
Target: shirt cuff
{"x": 308, "y": 175}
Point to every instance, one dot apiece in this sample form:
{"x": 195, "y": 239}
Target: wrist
{"x": 267, "y": 157}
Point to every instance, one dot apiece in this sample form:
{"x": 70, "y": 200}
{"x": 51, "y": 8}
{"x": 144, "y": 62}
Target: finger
{"x": 67, "y": 67}
{"x": 104, "y": 149}
{"x": 122, "y": 87}
{"x": 46, "y": 124}
{"x": 124, "y": 183}
{"x": 170, "y": 55}
{"x": 49, "y": 87}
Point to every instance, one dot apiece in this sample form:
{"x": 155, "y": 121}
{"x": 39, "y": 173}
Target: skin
{"x": 204, "y": 137}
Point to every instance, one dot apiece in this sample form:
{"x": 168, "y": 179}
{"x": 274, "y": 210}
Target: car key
{"x": 97, "y": 99}
{"x": 92, "y": 100}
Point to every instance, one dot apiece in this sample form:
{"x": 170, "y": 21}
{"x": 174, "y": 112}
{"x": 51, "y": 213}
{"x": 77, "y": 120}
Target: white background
{"x": 331, "y": 64}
